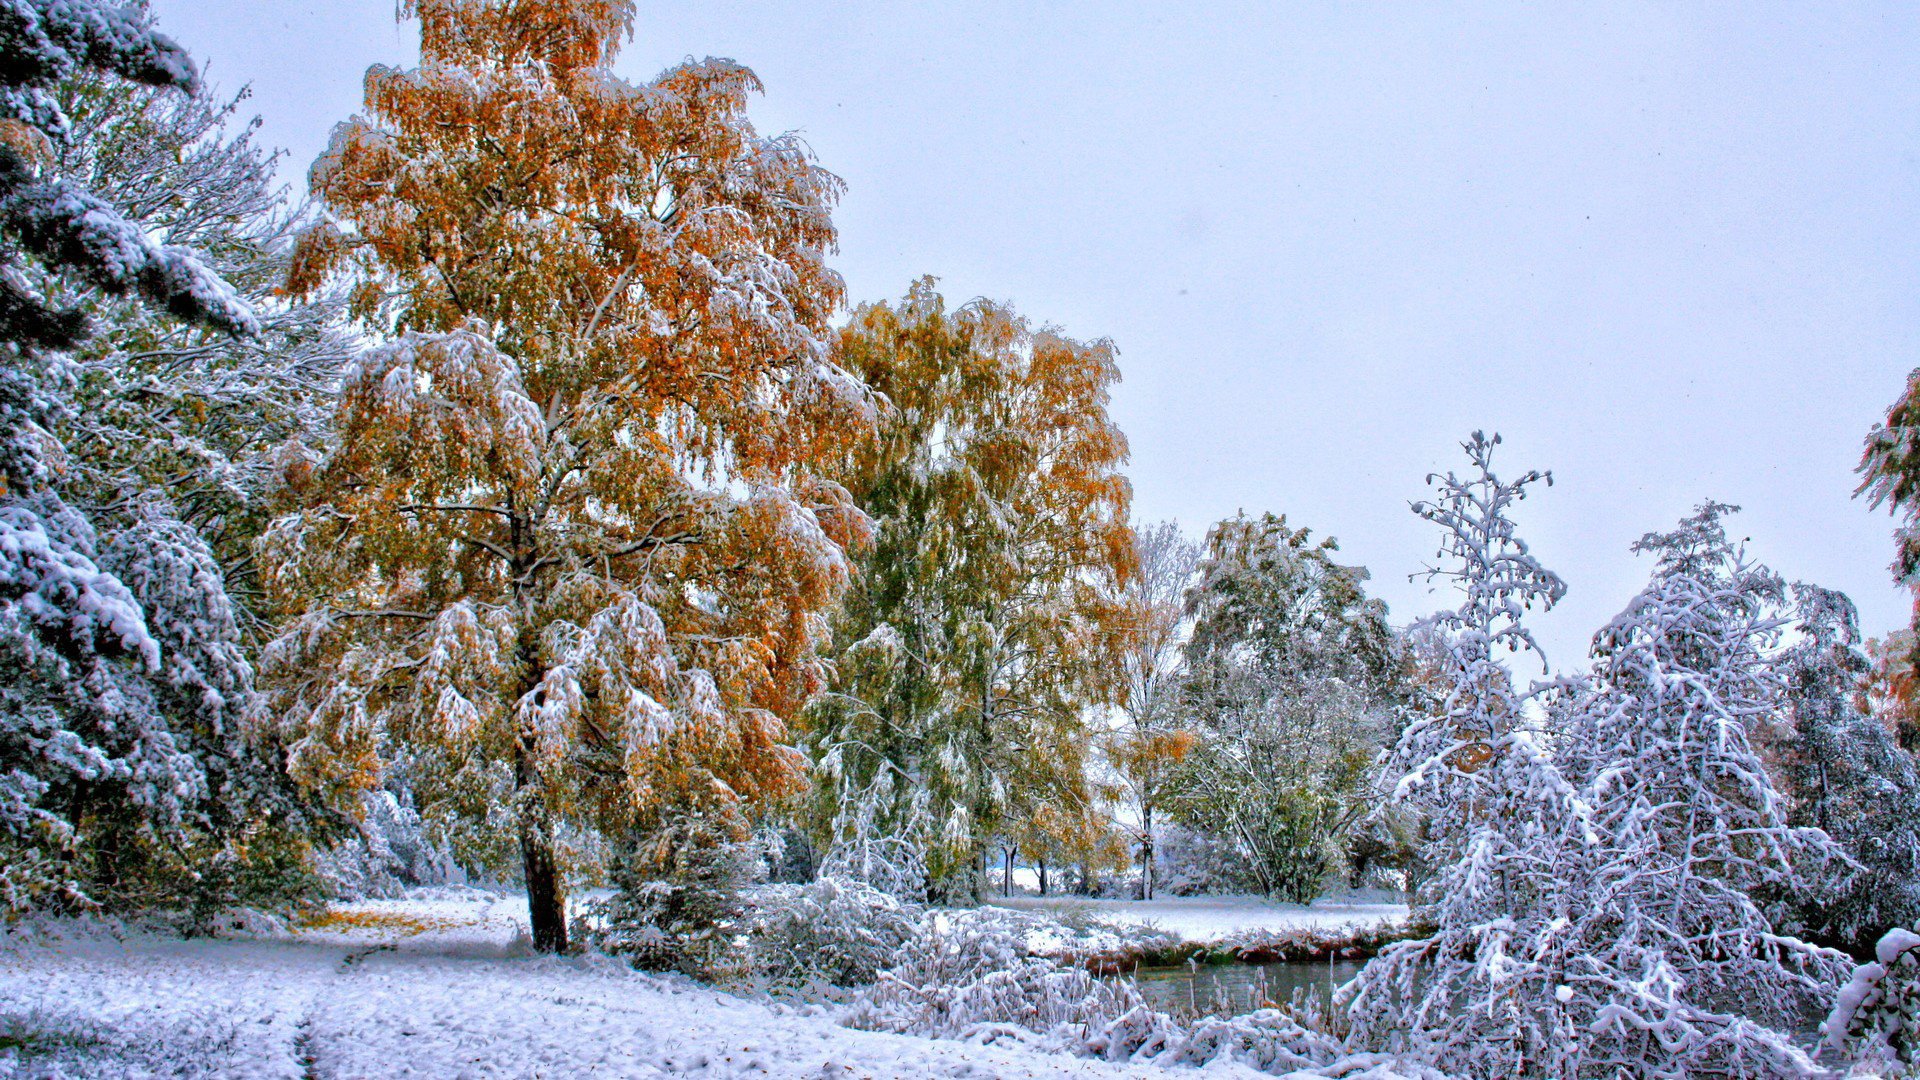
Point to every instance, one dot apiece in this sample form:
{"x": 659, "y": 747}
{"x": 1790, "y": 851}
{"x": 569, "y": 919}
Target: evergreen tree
{"x": 123, "y": 687}
{"x": 983, "y": 625}
{"x": 568, "y": 563}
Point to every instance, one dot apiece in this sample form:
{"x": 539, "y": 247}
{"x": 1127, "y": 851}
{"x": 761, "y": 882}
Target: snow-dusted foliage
{"x": 1193, "y": 863}
{"x": 131, "y": 777}
{"x": 1600, "y": 917}
{"x": 571, "y": 555}
{"x": 1682, "y": 969}
{"x": 57, "y": 221}
{"x": 832, "y": 931}
{"x": 389, "y": 851}
{"x": 976, "y": 640}
{"x": 967, "y": 976}
{"x": 1875, "y": 1022}
{"x": 1291, "y": 672}
{"x": 1847, "y": 776}
{"x": 1479, "y": 995}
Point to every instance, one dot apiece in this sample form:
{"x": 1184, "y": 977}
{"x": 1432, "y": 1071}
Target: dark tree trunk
{"x": 1043, "y": 877}
{"x": 1006, "y": 883}
{"x": 546, "y": 903}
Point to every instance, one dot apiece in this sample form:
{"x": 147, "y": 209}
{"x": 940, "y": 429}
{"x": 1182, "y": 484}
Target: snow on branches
{"x": 1876, "y": 1019}
{"x": 60, "y": 223}
{"x": 570, "y": 559}
{"x": 1598, "y": 911}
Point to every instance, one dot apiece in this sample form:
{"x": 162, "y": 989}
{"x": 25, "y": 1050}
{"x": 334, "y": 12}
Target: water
{"x": 1190, "y": 990}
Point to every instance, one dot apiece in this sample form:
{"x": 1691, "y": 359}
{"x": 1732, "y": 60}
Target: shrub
{"x": 833, "y": 931}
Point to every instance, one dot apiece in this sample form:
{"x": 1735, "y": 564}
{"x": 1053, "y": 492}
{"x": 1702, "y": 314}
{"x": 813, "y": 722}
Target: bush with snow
{"x": 1875, "y": 1022}
{"x": 833, "y": 932}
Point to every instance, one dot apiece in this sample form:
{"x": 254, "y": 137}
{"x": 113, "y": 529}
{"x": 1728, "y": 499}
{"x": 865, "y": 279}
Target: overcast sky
{"x": 1669, "y": 252}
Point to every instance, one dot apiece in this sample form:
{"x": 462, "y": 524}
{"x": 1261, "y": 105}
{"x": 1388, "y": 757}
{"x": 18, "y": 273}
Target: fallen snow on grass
{"x": 435, "y": 986}
{"x": 1211, "y": 919}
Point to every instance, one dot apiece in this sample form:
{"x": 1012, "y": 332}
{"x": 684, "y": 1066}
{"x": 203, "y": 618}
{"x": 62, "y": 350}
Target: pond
{"x": 1202, "y": 989}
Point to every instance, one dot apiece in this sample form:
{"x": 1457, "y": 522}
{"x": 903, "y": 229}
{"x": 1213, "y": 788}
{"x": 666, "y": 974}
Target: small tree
{"x": 571, "y": 558}
{"x": 1290, "y": 673}
{"x": 1146, "y": 747}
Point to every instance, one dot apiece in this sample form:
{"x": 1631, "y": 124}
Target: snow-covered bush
{"x": 679, "y": 902}
{"x": 832, "y": 931}
{"x": 1875, "y": 1022}
{"x": 967, "y": 975}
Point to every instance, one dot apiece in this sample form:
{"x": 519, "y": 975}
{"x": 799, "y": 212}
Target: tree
{"x": 1601, "y": 917}
{"x": 983, "y": 623}
{"x": 1148, "y": 744}
{"x": 1847, "y": 777}
{"x": 568, "y": 564}
{"x": 1892, "y": 693}
{"x": 122, "y": 685}
{"x": 1890, "y": 475}
{"x": 1691, "y": 828}
{"x": 1290, "y": 672}
{"x": 1478, "y": 994}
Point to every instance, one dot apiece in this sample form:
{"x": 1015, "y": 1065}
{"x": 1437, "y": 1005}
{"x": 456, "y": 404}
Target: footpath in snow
{"x": 439, "y": 986}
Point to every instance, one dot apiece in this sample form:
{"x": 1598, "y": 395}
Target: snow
{"x": 437, "y": 985}
{"x": 1211, "y": 919}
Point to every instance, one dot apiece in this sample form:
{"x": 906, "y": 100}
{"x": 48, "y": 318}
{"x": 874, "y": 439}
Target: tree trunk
{"x": 1006, "y": 883}
{"x": 546, "y": 903}
{"x": 1146, "y": 851}
{"x": 1043, "y": 877}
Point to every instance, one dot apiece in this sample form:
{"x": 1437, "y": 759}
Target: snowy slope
{"x": 427, "y": 988}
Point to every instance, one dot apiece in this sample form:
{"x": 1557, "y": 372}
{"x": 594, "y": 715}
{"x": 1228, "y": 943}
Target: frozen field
{"x": 432, "y": 987}
{"x": 1207, "y": 919}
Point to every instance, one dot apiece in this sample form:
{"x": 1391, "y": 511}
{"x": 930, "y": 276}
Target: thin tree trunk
{"x": 1146, "y": 851}
{"x": 1006, "y": 883}
{"x": 1043, "y": 877}
{"x": 546, "y": 899}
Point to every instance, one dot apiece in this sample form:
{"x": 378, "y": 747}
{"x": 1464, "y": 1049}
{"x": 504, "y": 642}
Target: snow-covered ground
{"x": 1210, "y": 919}
{"x": 437, "y": 986}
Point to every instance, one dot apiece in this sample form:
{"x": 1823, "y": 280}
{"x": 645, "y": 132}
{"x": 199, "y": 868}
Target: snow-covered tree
{"x": 166, "y": 418}
{"x": 1685, "y": 971}
{"x": 124, "y": 690}
{"x": 982, "y": 628}
{"x": 572, "y": 555}
{"x": 1847, "y": 776}
{"x": 1148, "y": 740}
{"x": 1290, "y": 674}
{"x": 1604, "y": 916}
{"x": 1480, "y": 994}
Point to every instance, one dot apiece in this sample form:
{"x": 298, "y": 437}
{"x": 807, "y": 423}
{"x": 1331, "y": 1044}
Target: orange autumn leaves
{"x": 570, "y": 564}
{"x": 573, "y": 551}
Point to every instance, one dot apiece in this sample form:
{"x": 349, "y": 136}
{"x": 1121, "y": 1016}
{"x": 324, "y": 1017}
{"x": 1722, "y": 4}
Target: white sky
{"x": 1668, "y": 251}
